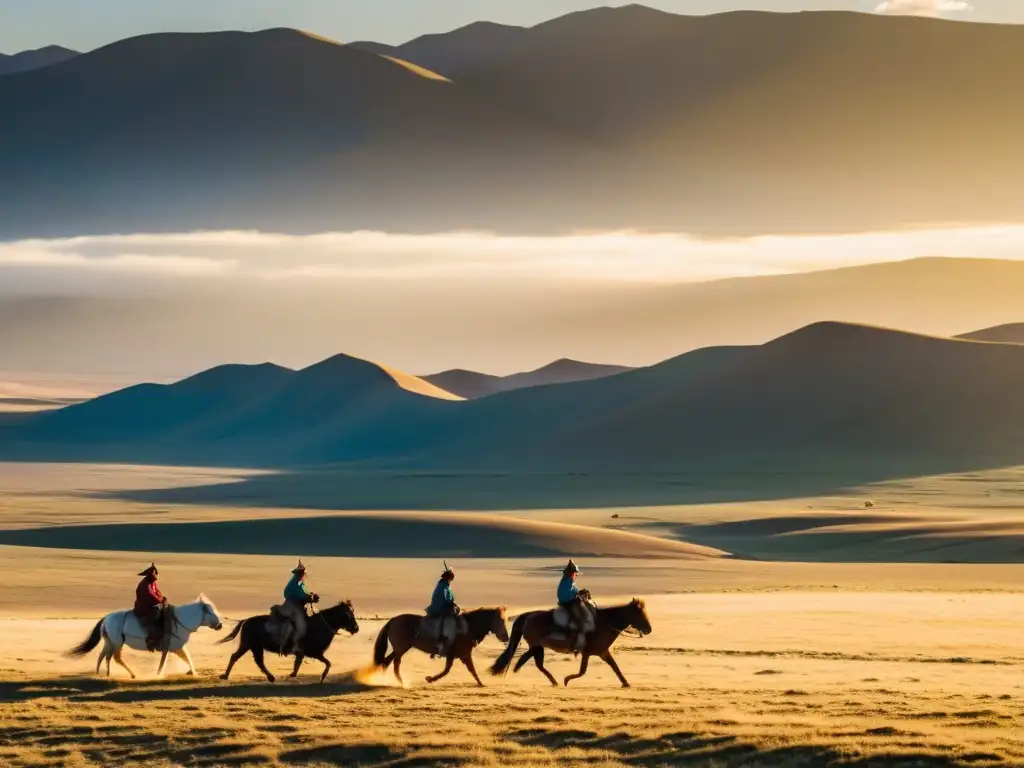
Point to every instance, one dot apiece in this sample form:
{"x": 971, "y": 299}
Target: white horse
{"x": 122, "y": 628}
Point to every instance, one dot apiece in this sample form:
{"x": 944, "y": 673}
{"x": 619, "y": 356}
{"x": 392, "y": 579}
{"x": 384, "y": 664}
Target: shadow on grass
{"x": 687, "y": 748}
{"x": 356, "y": 489}
{"x": 124, "y": 691}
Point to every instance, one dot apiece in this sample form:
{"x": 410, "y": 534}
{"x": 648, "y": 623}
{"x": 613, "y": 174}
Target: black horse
{"x": 321, "y": 628}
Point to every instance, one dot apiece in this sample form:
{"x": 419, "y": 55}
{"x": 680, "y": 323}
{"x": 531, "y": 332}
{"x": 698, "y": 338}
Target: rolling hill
{"x": 342, "y": 407}
{"x": 27, "y": 61}
{"x": 472, "y": 385}
{"x": 828, "y": 391}
{"x": 615, "y": 118}
{"x": 1010, "y": 333}
{"x": 828, "y": 394}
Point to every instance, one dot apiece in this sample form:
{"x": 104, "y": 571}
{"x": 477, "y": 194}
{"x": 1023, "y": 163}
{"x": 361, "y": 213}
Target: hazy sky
{"x": 169, "y": 305}
{"x": 87, "y": 24}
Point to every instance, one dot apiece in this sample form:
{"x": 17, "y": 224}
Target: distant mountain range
{"x": 1011, "y": 333}
{"x": 27, "y": 61}
{"x": 614, "y": 118}
{"x": 471, "y": 384}
{"x": 828, "y": 393}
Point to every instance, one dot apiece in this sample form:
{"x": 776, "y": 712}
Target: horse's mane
{"x": 346, "y": 602}
{"x": 636, "y": 602}
{"x": 501, "y": 610}
{"x": 204, "y": 599}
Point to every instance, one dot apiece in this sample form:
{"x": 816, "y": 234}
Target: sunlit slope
{"x": 243, "y": 414}
{"x": 828, "y": 389}
{"x": 273, "y": 130}
{"x": 786, "y": 122}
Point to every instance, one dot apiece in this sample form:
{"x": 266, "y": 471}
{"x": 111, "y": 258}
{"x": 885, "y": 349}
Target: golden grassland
{"x": 749, "y": 664}
{"x": 790, "y": 679}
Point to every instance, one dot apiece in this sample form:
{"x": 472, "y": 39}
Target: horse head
{"x": 210, "y": 616}
{"x": 498, "y": 625}
{"x": 344, "y": 615}
{"x": 638, "y": 616}
{"x": 484, "y": 621}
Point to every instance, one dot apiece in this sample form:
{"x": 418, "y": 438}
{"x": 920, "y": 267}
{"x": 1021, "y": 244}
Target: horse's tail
{"x": 234, "y": 633}
{"x": 500, "y": 665}
{"x": 89, "y": 643}
{"x": 380, "y": 647}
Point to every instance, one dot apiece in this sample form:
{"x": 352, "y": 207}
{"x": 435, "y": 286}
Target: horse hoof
{"x": 272, "y": 679}
{"x": 223, "y": 677}
{"x": 566, "y": 681}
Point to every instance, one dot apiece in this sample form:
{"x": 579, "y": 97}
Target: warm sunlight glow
{"x": 625, "y": 257}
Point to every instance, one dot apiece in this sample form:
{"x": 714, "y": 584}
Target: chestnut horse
{"x": 403, "y": 632}
{"x": 541, "y": 631}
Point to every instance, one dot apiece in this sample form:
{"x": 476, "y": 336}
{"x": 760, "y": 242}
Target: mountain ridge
{"x": 472, "y": 384}
{"x": 603, "y": 119}
{"x": 829, "y": 391}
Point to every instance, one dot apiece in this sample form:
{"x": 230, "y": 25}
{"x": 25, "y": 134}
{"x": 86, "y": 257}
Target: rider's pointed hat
{"x": 149, "y": 571}
{"x": 300, "y": 568}
{"x": 571, "y": 567}
{"x": 448, "y": 570}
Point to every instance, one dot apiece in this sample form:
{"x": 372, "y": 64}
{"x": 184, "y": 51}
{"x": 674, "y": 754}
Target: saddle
{"x": 280, "y": 623}
{"x": 563, "y": 615}
{"x": 158, "y": 630}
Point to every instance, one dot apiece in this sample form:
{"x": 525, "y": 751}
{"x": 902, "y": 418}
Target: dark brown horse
{"x": 403, "y": 634}
{"x": 540, "y": 631}
{"x": 321, "y": 628}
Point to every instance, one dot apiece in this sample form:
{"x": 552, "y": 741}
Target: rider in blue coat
{"x": 442, "y": 607}
{"x": 297, "y": 596}
{"x": 570, "y": 599}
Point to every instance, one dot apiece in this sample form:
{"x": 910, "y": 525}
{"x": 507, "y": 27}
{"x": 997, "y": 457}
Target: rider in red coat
{"x": 149, "y": 605}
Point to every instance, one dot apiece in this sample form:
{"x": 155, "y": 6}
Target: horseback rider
{"x": 296, "y": 599}
{"x": 150, "y": 605}
{"x": 443, "y": 610}
{"x": 572, "y": 598}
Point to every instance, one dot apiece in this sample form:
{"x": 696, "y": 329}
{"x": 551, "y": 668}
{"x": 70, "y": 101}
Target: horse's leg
{"x": 234, "y": 658}
{"x": 387, "y": 660}
{"x": 447, "y": 668}
{"x": 327, "y": 665}
{"x": 610, "y": 661}
{"x": 183, "y": 654}
{"x": 538, "y": 658}
{"x": 106, "y": 654}
{"x": 119, "y": 660}
{"x": 530, "y": 653}
{"x": 163, "y": 660}
{"x": 104, "y": 651}
{"x": 257, "y": 654}
{"x": 468, "y": 661}
{"x": 398, "y": 669}
{"x": 583, "y": 669}
{"x": 298, "y": 663}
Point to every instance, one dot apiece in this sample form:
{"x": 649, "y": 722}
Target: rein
{"x": 320, "y": 615}
{"x": 627, "y": 629}
{"x": 178, "y": 622}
